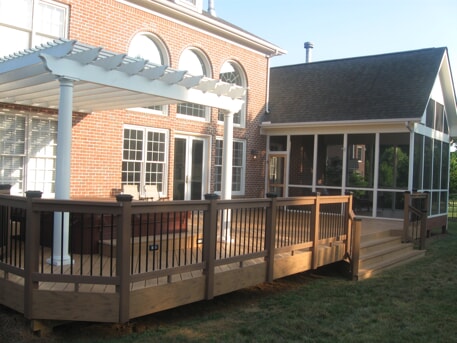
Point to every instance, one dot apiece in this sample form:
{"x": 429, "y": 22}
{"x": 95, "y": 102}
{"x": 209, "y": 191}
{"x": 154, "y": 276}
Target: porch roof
{"x": 104, "y": 80}
{"x": 387, "y": 87}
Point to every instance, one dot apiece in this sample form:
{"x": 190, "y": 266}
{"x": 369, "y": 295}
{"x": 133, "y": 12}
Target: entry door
{"x": 189, "y": 181}
{"x": 276, "y": 174}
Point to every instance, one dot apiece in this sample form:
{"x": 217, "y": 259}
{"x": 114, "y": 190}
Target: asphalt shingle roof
{"x": 387, "y": 86}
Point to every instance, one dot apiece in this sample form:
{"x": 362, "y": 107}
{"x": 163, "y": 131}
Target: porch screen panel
{"x": 301, "y": 165}
{"x": 418, "y": 161}
{"x": 330, "y": 159}
{"x": 360, "y": 160}
{"x": 12, "y": 151}
{"x": 394, "y": 160}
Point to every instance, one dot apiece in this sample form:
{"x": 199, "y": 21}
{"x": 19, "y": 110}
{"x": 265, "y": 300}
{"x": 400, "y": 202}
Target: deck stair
{"x": 383, "y": 249}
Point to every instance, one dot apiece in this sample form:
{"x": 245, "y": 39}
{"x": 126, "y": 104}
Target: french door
{"x": 276, "y": 174}
{"x": 190, "y": 166}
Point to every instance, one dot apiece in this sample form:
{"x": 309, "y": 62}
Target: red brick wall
{"x": 97, "y": 137}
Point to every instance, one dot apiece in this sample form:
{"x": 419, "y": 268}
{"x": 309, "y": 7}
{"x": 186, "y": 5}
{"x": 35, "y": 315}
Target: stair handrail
{"x": 421, "y": 215}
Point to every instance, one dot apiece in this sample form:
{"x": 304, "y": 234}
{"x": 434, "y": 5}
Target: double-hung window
{"x": 27, "y": 23}
{"x": 144, "y": 157}
{"x": 28, "y": 166}
{"x": 238, "y": 166}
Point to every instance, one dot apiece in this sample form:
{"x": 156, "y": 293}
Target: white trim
{"x": 207, "y": 25}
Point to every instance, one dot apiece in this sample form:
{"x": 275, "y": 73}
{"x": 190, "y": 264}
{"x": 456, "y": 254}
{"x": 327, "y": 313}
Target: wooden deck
{"x": 136, "y": 276}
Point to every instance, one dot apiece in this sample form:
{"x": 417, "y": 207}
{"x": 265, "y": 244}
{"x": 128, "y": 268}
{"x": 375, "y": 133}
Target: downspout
{"x": 267, "y": 96}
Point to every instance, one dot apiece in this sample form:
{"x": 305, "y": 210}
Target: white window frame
{"x": 207, "y": 72}
{"x": 196, "y": 5}
{"x": 35, "y": 37}
{"x": 242, "y": 168}
{"x": 243, "y": 112}
{"x": 160, "y": 46}
{"x": 44, "y": 157}
{"x": 142, "y": 182}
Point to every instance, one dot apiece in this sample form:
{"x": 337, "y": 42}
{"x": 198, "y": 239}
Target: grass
{"x": 415, "y": 302}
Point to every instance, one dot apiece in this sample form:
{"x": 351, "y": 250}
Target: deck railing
{"x": 116, "y": 246}
{"x": 415, "y": 220}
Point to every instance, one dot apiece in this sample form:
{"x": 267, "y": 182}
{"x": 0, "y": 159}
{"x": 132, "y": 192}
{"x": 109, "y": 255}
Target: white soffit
{"x": 105, "y": 80}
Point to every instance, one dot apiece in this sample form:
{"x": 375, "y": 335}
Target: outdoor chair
{"x": 132, "y": 190}
{"x": 152, "y": 193}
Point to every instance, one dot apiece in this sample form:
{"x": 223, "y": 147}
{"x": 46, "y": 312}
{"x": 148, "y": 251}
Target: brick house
{"x": 178, "y": 147}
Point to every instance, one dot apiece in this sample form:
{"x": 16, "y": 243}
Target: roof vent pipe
{"x": 211, "y": 8}
{"x": 308, "y": 47}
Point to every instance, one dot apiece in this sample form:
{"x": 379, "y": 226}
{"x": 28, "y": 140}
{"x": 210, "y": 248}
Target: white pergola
{"x": 73, "y": 77}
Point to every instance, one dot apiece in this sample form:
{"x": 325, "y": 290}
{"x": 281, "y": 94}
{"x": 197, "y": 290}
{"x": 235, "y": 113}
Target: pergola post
{"x": 63, "y": 172}
{"x": 226, "y": 182}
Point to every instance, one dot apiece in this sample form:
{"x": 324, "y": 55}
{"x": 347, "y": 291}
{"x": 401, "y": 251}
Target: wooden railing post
{"x": 209, "y": 243}
{"x": 349, "y": 222}
{"x": 270, "y": 235}
{"x": 406, "y": 217}
{"x": 123, "y": 256}
{"x": 356, "y": 238}
{"x": 315, "y": 231}
{"x": 32, "y": 242}
{"x": 423, "y": 232}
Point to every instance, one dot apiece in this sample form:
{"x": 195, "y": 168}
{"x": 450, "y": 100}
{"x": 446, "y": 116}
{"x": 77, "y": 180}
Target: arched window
{"x": 149, "y": 47}
{"x": 195, "y": 63}
{"x": 231, "y": 72}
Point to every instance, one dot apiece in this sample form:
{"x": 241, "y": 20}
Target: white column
{"x": 63, "y": 161}
{"x": 227, "y": 158}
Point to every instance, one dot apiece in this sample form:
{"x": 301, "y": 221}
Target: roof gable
{"x": 389, "y": 86}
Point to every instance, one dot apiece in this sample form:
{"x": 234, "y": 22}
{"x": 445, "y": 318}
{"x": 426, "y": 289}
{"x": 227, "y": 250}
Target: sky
{"x": 345, "y": 28}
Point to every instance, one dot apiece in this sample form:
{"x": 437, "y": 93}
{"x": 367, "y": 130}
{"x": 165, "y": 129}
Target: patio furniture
{"x": 132, "y": 190}
{"x": 152, "y": 193}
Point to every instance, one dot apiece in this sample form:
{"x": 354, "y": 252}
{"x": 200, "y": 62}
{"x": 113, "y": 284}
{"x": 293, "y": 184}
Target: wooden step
{"x": 369, "y": 271}
{"x": 381, "y": 250}
{"x": 385, "y": 252}
{"x": 369, "y": 246}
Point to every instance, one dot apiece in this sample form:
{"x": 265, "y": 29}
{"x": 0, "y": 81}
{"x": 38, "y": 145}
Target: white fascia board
{"x": 347, "y": 126}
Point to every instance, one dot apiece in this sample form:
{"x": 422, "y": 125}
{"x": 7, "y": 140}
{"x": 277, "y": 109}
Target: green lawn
{"x": 416, "y": 302}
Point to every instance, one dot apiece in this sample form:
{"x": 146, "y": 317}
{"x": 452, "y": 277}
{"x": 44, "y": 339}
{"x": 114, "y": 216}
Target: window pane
{"x": 41, "y": 165}
{"x": 143, "y": 46}
{"x": 194, "y": 65}
{"x": 436, "y": 164}
{"x": 50, "y": 20}
{"x": 237, "y": 166}
{"x": 231, "y": 74}
{"x": 278, "y": 143}
{"x": 16, "y": 13}
{"x": 144, "y": 158}
{"x": 192, "y": 110}
{"x": 191, "y": 62}
{"x": 13, "y": 40}
{"x": 430, "y": 114}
